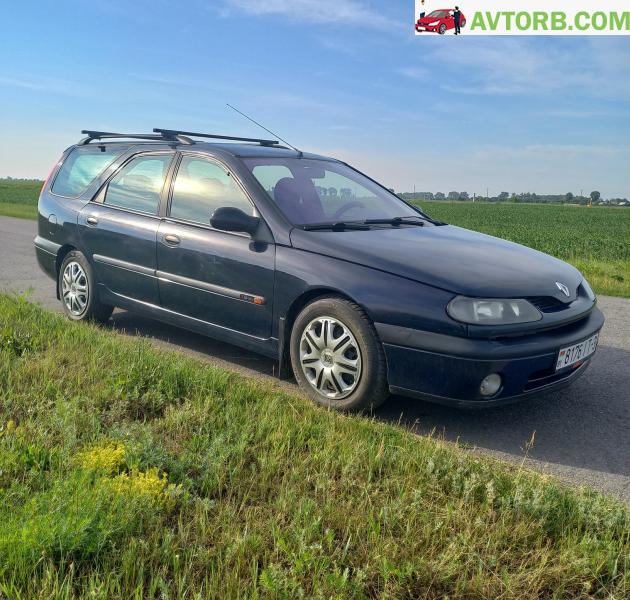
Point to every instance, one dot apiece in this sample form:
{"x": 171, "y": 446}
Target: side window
{"x": 202, "y": 186}
{"x": 138, "y": 184}
{"x": 81, "y": 168}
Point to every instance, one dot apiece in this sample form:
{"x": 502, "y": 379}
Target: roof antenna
{"x": 300, "y": 154}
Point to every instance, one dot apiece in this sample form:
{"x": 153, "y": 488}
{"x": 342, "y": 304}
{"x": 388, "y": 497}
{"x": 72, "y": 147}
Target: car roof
{"x": 256, "y": 150}
{"x": 240, "y": 150}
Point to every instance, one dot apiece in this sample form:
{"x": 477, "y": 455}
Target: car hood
{"x": 454, "y": 259}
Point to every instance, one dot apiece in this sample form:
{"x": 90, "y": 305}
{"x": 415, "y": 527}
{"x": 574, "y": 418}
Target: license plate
{"x": 573, "y": 354}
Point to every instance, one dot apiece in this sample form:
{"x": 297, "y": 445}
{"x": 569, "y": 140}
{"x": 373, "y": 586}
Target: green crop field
{"x": 130, "y": 472}
{"x": 18, "y": 198}
{"x": 19, "y": 191}
{"x": 596, "y": 240}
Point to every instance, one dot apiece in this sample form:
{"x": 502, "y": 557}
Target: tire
{"x": 463, "y": 23}
{"x": 350, "y": 376}
{"x": 442, "y": 29}
{"x": 77, "y": 289}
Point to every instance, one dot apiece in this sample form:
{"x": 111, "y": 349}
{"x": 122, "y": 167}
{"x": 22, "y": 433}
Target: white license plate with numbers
{"x": 572, "y": 354}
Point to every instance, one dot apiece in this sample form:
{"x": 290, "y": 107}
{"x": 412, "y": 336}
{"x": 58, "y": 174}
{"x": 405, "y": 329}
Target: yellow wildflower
{"x": 107, "y": 458}
{"x": 149, "y": 486}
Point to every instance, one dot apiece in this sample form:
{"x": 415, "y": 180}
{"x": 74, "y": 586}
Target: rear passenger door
{"x": 119, "y": 228}
{"x": 218, "y": 277}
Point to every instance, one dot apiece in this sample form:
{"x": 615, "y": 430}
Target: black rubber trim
{"x": 46, "y": 245}
{"x": 123, "y": 264}
{"x": 210, "y": 287}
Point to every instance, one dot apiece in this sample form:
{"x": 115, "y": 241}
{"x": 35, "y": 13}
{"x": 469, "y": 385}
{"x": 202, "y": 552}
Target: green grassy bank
{"x": 129, "y": 472}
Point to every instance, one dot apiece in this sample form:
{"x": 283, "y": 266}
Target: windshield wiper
{"x": 395, "y": 221}
{"x": 338, "y": 226}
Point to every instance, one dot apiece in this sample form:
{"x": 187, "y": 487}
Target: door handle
{"x": 92, "y": 220}
{"x": 171, "y": 239}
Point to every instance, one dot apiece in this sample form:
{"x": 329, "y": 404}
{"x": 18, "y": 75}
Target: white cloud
{"x": 414, "y": 72}
{"x": 342, "y": 12}
{"x": 38, "y": 83}
{"x": 534, "y": 67}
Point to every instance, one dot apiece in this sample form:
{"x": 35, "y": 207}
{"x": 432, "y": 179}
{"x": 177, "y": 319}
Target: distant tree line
{"x": 569, "y": 198}
{"x": 34, "y": 179}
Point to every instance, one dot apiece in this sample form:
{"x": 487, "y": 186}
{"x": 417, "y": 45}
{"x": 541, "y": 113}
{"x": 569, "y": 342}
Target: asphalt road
{"x": 581, "y": 434}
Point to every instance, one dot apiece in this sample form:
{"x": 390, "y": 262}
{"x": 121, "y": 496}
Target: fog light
{"x": 490, "y": 385}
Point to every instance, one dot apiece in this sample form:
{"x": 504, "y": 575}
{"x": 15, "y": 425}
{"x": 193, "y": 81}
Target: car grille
{"x": 548, "y": 304}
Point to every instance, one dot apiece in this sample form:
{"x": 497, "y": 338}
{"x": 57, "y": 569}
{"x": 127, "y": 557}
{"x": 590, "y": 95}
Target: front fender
{"x": 386, "y": 298}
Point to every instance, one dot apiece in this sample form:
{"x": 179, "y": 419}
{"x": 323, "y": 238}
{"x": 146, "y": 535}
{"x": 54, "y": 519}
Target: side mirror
{"x": 228, "y": 218}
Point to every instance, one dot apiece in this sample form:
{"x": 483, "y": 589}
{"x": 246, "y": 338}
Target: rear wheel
{"x": 77, "y": 290}
{"x": 337, "y": 357}
{"x": 463, "y": 23}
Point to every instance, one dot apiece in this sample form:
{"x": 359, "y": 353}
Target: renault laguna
{"x": 305, "y": 259}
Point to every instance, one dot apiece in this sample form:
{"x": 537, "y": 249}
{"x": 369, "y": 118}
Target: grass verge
{"x": 130, "y": 472}
{"x": 15, "y": 209}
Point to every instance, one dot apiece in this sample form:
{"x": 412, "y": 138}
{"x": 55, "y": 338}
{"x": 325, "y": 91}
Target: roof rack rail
{"x": 175, "y": 133}
{"x": 101, "y": 135}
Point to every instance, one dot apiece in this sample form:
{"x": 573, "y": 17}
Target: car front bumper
{"x": 449, "y": 370}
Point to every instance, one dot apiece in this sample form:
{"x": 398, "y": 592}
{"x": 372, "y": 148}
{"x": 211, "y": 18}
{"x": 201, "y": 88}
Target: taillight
{"x": 50, "y": 173}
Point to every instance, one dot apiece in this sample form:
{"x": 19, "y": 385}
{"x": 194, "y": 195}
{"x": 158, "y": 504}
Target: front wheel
{"x": 77, "y": 290}
{"x": 442, "y": 29}
{"x": 337, "y": 357}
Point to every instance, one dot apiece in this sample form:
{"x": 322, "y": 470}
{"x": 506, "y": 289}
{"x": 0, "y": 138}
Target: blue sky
{"x": 342, "y": 77}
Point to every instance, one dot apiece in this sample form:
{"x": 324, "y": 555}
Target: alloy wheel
{"x": 330, "y": 358}
{"x": 74, "y": 288}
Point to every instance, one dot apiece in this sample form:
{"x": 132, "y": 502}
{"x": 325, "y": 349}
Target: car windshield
{"x": 436, "y": 14}
{"x": 311, "y": 191}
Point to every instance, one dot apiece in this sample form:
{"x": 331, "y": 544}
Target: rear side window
{"x": 81, "y": 168}
{"x": 138, "y": 185}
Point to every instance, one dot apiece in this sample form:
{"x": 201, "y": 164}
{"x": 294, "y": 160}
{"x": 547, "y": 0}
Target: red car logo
{"x": 439, "y": 21}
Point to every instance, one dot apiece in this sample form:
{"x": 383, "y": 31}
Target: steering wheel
{"x": 346, "y": 207}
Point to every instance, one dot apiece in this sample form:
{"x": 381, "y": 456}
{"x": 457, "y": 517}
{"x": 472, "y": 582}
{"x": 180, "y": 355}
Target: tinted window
{"x": 201, "y": 187}
{"x": 138, "y": 184}
{"x": 317, "y": 191}
{"x": 82, "y": 167}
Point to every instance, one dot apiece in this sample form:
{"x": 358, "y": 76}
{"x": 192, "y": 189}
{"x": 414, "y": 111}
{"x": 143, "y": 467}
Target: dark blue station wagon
{"x": 305, "y": 259}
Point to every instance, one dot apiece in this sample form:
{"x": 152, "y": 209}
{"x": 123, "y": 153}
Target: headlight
{"x": 493, "y": 311}
{"x": 589, "y": 292}
{"x": 433, "y": 24}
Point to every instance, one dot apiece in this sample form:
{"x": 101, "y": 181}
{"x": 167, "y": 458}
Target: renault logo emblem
{"x": 563, "y": 288}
